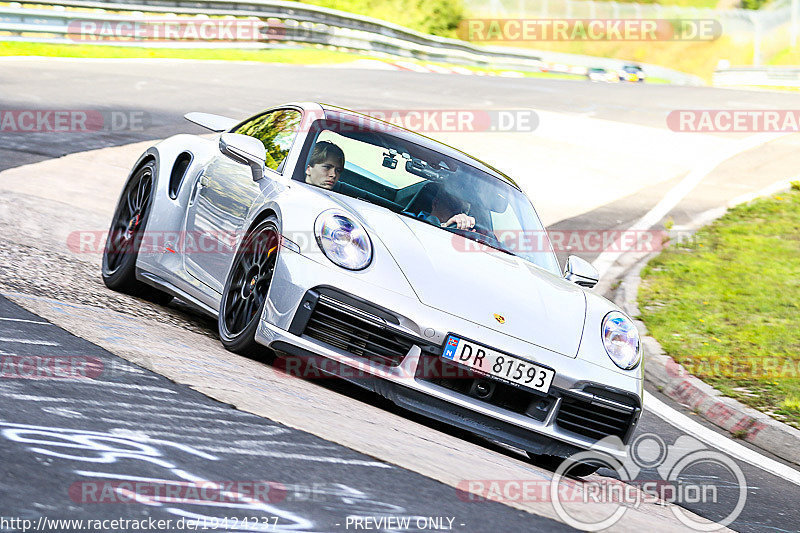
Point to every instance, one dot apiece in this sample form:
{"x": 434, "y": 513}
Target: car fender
{"x": 160, "y": 256}
{"x": 591, "y": 346}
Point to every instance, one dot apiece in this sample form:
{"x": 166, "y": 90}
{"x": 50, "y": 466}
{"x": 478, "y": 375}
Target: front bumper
{"x": 582, "y": 393}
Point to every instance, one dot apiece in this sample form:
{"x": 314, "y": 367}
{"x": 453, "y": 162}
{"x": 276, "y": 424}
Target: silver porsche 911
{"x": 386, "y": 258}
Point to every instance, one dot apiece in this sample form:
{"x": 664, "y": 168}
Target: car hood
{"x": 536, "y": 306}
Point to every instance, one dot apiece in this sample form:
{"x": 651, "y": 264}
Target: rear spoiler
{"x": 215, "y": 123}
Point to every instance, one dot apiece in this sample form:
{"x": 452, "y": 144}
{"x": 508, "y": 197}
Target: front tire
{"x": 125, "y": 237}
{"x": 246, "y": 289}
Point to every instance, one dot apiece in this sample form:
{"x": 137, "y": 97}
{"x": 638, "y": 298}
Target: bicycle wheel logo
{"x": 652, "y": 471}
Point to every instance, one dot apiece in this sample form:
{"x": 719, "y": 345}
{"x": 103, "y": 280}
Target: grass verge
{"x": 298, "y": 56}
{"x": 305, "y": 56}
{"x": 726, "y": 304}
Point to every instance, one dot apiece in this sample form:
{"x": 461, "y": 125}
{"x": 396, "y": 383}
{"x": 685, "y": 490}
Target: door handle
{"x": 201, "y": 182}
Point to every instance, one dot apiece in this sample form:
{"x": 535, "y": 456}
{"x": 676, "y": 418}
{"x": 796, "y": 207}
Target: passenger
{"x": 325, "y": 165}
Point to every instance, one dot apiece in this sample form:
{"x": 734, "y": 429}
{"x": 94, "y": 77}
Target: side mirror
{"x": 245, "y": 150}
{"x": 581, "y": 272}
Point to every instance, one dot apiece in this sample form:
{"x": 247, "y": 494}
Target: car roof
{"x": 335, "y": 113}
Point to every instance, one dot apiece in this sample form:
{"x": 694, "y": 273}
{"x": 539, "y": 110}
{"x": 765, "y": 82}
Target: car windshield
{"x": 417, "y": 182}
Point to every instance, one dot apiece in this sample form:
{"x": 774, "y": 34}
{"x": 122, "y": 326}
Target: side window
{"x": 277, "y": 131}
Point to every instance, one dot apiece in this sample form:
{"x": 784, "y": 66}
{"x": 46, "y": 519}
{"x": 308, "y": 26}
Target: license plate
{"x": 498, "y": 364}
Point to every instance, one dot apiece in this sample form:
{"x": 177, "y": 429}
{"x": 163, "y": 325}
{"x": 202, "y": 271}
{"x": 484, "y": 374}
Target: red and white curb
{"x": 430, "y": 68}
{"x": 438, "y": 69}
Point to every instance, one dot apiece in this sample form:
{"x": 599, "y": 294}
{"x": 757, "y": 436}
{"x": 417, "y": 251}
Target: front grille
{"x": 593, "y": 420}
{"x": 436, "y": 370}
{"x": 354, "y": 331}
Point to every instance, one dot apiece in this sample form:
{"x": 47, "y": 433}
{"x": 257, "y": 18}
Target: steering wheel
{"x": 488, "y": 237}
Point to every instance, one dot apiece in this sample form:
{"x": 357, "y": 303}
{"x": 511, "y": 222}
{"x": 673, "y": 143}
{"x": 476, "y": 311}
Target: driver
{"x": 325, "y": 165}
{"x": 452, "y": 210}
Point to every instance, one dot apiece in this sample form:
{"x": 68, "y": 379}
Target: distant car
{"x": 633, "y": 73}
{"x": 472, "y": 327}
{"x": 601, "y": 74}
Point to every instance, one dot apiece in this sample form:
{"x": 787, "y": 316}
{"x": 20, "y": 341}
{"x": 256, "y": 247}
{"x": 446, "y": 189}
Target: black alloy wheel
{"x": 247, "y": 287}
{"x": 125, "y": 237}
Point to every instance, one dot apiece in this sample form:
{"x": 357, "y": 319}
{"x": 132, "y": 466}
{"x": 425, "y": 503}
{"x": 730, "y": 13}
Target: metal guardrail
{"x": 302, "y": 24}
{"x": 375, "y": 35}
{"x": 758, "y": 76}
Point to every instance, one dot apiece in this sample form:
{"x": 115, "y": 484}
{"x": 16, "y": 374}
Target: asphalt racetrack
{"x": 323, "y": 453}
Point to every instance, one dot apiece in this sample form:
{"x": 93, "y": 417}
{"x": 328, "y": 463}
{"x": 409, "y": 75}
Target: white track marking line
{"x": 136, "y": 393}
{"x": 24, "y": 320}
{"x": 766, "y": 191}
{"x": 280, "y": 455}
{"x": 92, "y": 403}
{"x": 117, "y": 385}
{"x": 163, "y": 442}
{"x": 714, "y": 439}
{"x": 115, "y": 407}
{"x": 252, "y": 444}
{"x": 29, "y": 341}
{"x": 707, "y": 216}
{"x": 212, "y": 419}
{"x": 679, "y": 192}
{"x": 249, "y": 429}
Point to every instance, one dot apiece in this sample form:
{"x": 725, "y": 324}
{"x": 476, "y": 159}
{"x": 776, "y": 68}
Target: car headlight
{"x": 343, "y": 240}
{"x": 621, "y": 340}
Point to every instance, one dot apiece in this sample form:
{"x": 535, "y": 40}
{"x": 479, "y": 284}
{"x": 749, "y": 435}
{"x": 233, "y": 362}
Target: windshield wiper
{"x": 483, "y": 239}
